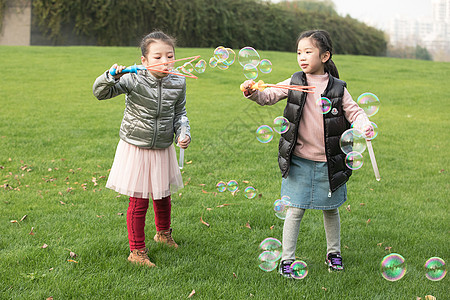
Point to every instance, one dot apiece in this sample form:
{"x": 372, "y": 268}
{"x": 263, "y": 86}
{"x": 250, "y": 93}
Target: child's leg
{"x": 332, "y": 224}
{"x": 162, "y": 208}
{"x": 290, "y": 232}
{"x": 136, "y": 212}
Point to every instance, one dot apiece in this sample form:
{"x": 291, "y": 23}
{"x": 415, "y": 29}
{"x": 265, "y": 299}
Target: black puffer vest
{"x": 334, "y": 122}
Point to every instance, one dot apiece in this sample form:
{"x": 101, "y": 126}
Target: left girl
{"x": 145, "y": 165}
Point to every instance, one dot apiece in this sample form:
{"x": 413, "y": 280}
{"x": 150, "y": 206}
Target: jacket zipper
{"x": 157, "y": 113}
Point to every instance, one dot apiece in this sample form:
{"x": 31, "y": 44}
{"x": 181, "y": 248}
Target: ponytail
{"x": 331, "y": 69}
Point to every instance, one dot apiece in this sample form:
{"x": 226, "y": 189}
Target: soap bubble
{"x": 270, "y": 244}
{"x": 369, "y": 103}
{"x": 268, "y": 266}
{"x": 220, "y": 53}
{"x": 200, "y": 66}
{"x": 393, "y": 267}
{"x": 299, "y": 269}
{"x": 325, "y": 105}
{"x": 264, "y": 134}
{"x": 352, "y": 140}
{"x": 270, "y": 256}
{"x": 248, "y": 55}
{"x": 354, "y": 160}
{"x": 232, "y": 185}
{"x": 222, "y": 66}
{"x": 265, "y": 66}
{"x": 250, "y": 192}
{"x": 435, "y": 269}
{"x": 187, "y": 68}
{"x": 213, "y": 62}
{"x": 231, "y": 57}
{"x": 280, "y": 206}
{"x": 280, "y": 124}
{"x": 221, "y": 186}
{"x": 250, "y": 71}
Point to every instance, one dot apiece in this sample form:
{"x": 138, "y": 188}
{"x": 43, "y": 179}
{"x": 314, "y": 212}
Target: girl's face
{"x": 309, "y": 57}
{"x": 159, "y": 52}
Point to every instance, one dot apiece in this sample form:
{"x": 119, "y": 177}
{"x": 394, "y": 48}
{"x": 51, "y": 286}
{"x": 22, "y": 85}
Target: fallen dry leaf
{"x": 324, "y": 288}
{"x": 100, "y": 216}
{"x": 441, "y": 171}
{"x": 72, "y": 254}
{"x": 379, "y": 244}
{"x": 430, "y": 297}
{"x": 388, "y": 249}
{"x": 362, "y": 204}
{"x": 202, "y": 184}
{"x": 248, "y": 225}
{"x": 203, "y": 222}
{"x": 44, "y": 246}
{"x": 14, "y": 221}
{"x": 205, "y": 192}
{"x": 188, "y": 162}
{"x": 222, "y": 205}
{"x": 62, "y": 203}
{"x": 31, "y": 232}
{"x": 191, "y": 294}
{"x": 120, "y": 214}
{"x": 368, "y": 221}
{"x": 71, "y": 260}
{"x": 348, "y": 208}
{"x": 23, "y": 218}
{"x": 271, "y": 227}
{"x": 209, "y": 209}
{"x": 49, "y": 298}
{"x": 245, "y": 181}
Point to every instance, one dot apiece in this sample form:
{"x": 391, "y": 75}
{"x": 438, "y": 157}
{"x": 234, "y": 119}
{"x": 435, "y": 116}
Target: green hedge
{"x": 204, "y": 23}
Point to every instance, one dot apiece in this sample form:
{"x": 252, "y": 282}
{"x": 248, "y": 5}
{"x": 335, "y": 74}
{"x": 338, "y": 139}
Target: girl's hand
{"x": 184, "y": 143}
{"x": 369, "y": 131}
{"x": 118, "y": 70}
{"x": 246, "y": 87}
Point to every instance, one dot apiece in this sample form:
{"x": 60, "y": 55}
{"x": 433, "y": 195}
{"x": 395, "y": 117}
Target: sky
{"x": 378, "y": 13}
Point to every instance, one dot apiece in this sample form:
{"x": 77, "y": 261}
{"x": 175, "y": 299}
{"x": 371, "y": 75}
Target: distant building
{"x": 432, "y": 33}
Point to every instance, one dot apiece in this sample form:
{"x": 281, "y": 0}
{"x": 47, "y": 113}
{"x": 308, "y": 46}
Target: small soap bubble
{"x": 280, "y": 206}
{"x": 250, "y": 192}
{"x": 270, "y": 256}
{"x": 188, "y": 67}
{"x": 222, "y": 66}
{"x": 231, "y": 57}
{"x": 393, "y": 267}
{"x": 213, "y": 62}
{"x": 232, "y": 185}
{"x": 250, "y": 71}
{"x": 435, "y": 269}
{"x": 221, "y": 186}
{"x": 220, "y": 53}
{"x": 268, "y": 266}
{"x": 200, "y": 66}
{"x": 264, "y": 134}
{"x": 248, "y": 55}
{"x": 325, "y": 105}
{"x": 354, "y": 160}
{"x": 265, "y": 66}
{"x": 280, "y": 124}
{"x": 352, "y": 140}
{"x": 299, "y": 269}
{"x": 270, "y": 244}
{"x": 369, "y": 103}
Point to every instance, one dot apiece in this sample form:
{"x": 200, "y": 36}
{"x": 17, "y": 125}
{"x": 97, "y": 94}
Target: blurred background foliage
{"x": 206, "y": 23}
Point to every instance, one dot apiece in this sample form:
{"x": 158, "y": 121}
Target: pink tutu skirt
{"x": 144, "y": 173}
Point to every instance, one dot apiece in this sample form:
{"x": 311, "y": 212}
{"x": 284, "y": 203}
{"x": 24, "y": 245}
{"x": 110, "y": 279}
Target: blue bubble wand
{"x": 135, "y": 68}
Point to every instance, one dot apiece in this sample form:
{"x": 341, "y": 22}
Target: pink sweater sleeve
{"x": 351, "y": 108}
{"x": 270, "y": 96}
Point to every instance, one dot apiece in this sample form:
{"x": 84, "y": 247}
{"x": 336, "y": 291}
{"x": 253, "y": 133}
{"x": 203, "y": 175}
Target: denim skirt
{"x": 307, "y": 186}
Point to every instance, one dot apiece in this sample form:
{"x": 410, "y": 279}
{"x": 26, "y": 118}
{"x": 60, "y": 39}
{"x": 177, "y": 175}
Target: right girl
{"x": 311, "y": 161}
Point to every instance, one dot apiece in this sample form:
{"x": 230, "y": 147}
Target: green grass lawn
{"x": 57, "y": 143}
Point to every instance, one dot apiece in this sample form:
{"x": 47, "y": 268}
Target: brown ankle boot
{"x": 139, "y": 257}
{"x": 165, "y": 236}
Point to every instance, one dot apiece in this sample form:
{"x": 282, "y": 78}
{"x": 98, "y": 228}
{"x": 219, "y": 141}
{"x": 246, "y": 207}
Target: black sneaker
{"x": 285, "y": 268}
{"x": 334, "y": 262}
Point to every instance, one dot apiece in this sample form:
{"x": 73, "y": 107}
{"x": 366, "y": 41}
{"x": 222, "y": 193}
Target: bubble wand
{"x": 370, "y": 104}
{"x": 260, "y": 86}
{"x": 184, "y": 121}
{"x": 135, "y": 68}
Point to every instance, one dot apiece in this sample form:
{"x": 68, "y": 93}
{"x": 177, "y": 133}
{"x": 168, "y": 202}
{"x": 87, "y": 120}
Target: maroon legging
{"x": 136, "y": 212}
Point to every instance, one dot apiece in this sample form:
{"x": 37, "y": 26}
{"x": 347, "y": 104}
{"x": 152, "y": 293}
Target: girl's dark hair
{"x": 153, "y": 37}
{"x": 322, "y": 40}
